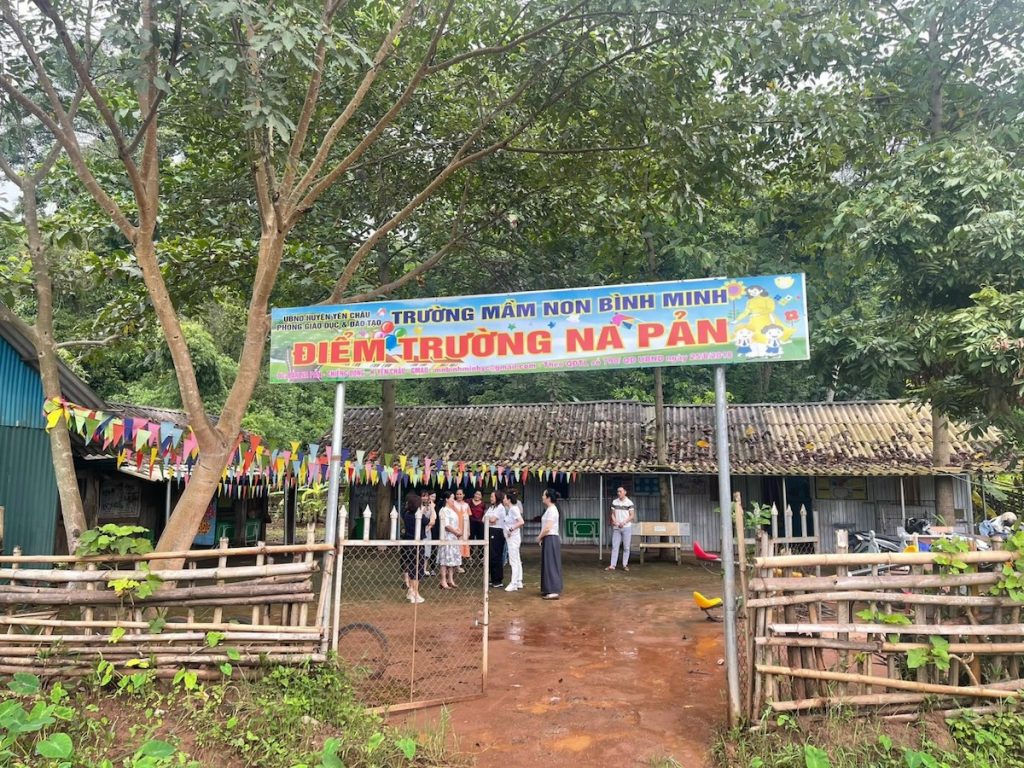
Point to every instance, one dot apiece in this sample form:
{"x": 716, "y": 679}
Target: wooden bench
{"x": 651, "y": 535}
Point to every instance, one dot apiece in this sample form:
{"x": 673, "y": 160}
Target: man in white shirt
{"x": 621, "y": 518}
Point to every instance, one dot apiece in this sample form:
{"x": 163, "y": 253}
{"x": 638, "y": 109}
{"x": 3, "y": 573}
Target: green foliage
{"x": 949, "y": 548}
{"x": 286, "y": 718}
{"x": 937, "y": 654}
{"x": 757, "y": 515}
{"x": 1011, "y": 577}
{"x": 111, "y": 539}
{"x": 848, "y": 740}
{"x": 874, "y": 616}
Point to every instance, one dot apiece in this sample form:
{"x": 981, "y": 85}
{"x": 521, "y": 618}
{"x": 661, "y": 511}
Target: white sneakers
{"x": 414, "y": 598}
{"x": 513, "y": 587}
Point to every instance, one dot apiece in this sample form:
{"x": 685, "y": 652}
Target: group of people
{"x": 504, "y": 520}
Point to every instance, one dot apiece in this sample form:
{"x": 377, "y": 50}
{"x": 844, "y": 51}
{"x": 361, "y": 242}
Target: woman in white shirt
{"x": 449, "y": 556}
{"x": 514, "y": 523}
{"x": 495, "y": 517}
{"x": 551, "y": 548}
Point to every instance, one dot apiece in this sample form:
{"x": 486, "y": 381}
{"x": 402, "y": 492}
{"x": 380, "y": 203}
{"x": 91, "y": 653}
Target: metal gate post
{"x": 487, "y": 602}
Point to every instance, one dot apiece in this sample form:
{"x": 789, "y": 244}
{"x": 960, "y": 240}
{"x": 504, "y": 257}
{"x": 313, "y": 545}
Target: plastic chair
{"x": 706, "y": 604}
{"x": 706, "y": 558}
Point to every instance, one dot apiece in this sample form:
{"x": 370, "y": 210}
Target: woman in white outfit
{"x": 449, "y": 556}
{"x": 621, "y": 518}
{"x": 513, "y": 524}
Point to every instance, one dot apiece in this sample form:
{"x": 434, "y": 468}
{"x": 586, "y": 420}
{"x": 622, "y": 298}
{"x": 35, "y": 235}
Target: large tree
{"x": 307, "y": 93}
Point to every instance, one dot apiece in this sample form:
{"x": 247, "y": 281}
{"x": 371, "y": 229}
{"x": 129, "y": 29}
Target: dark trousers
{"x": 496, "y": 559}
{"x": 476, "y": 532}
{"x": 551, "y": 566}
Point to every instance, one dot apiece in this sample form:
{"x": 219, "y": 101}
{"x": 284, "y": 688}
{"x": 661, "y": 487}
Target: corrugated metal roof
{"x": 846, "y": 438}
{"x": 17, "y": 334}
{"x": 28, "y": 490}
{"x": 21, "y": 393}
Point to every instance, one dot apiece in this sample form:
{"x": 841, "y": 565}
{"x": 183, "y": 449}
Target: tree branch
{"x": 70, "y": 144}
{"x": 327, "y": 143}
{"x": 577, "y": 150}
{"x": 172, "y": 60}
{"x": 82, "y": 72}
{"x": 312, "y": 95}
{"x": 428, "y": 264}
{"x": 88, "y": 342}
{"x": 491, "y": 50}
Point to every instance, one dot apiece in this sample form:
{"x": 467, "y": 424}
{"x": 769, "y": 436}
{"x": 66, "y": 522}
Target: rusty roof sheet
{"x": 839, "y": 438}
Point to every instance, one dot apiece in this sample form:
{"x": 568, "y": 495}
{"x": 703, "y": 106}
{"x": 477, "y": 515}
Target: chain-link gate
{"x": 412, "y": 654}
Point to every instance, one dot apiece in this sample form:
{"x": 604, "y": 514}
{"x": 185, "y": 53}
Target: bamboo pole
{"x": 903, "y": 685}
{"x": 111, "y": 624}
{"x": 882, "y": 646}
{"x": 887, "y": 597}
{"x": 178, "y": 657}
{"x": 880, "y": 558}
{"x": 302, "y": 616}
{"x": 186, "y": 574}
{"x": 812, "y": 583}
{"x": 218, "y": 613}
{"x": 50, "y": 596}
{"x": 1014, "y": 630}
{"x": 190, "y": 554}
{"x": 237, "y": 635}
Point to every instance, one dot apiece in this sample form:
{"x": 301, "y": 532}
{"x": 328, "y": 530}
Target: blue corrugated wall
{"x": 28, "y": 488}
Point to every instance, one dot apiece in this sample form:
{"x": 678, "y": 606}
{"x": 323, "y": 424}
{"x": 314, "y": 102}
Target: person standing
{"x": 412, "y": 555}
{"x": 621, "y": 518}
{"x": 449, "y": 557}
{"x": 463, "y": 509}
{"x": 429, "y": 524}
{"x": 495, "y": 517}
{"x": 477, "y": 509}
{"x": 551, "y": 548}
{"x": 514, "y": 523}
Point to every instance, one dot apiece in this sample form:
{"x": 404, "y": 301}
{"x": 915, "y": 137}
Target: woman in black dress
{"x": 412, "y": 556}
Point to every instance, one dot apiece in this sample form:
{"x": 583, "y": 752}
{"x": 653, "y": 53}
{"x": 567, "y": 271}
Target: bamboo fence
{"x": 60, "y": 615}
{"x": 810, "y": 652}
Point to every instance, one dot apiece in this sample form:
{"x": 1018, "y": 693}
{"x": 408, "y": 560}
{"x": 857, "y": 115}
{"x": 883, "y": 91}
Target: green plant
{"x": 757, "y": 516}
{"x": 815, "y": 757}
{"x": 1011, "y": 581}
{"x": 874, "y": 616}
{"x": 937, "y": 654}
{"x": 111, "y": 539}
{"x": 949, "y": 550}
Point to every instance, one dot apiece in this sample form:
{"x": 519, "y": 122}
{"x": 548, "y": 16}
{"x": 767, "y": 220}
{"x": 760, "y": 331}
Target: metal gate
{"x": 406, "y": 655}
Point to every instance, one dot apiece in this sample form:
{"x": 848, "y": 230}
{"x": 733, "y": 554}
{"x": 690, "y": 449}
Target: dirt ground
{"x": 622, "y": 671}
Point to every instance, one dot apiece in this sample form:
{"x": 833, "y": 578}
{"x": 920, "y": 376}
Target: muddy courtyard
{"x": 623, "y": 670}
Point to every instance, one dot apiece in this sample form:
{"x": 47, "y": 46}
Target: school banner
{"x": 687, "y": 322}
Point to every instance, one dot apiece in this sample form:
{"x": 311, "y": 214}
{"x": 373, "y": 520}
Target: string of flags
{"x": 254, "y": 468}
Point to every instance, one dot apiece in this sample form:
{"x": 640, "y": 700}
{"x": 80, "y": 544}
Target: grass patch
{"x": 846, "y": 741}
{"x": 288, "y": 717}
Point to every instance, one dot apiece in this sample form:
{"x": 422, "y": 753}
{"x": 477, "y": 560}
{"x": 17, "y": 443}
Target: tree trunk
{"x": 936, "y": 81}
{"x": 661, "y": 447}
{"x": 660, "y": 438}
{"x": 387, "y": 447}
{"x": 188, "y": 512}
{"x": 941, "y": 451}
{"x": 71, "y": 507}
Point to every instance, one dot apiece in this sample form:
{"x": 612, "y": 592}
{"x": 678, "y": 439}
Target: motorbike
{"x": 869, "y": 541}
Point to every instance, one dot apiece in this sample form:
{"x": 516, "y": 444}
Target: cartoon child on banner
{"x": 760, "y": 310}
{"x": 744, "y": 340}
